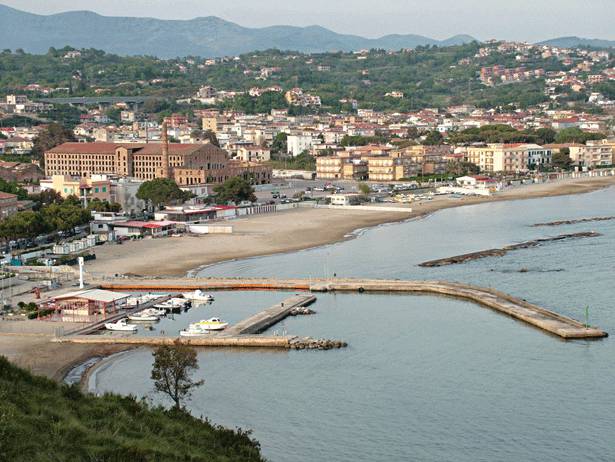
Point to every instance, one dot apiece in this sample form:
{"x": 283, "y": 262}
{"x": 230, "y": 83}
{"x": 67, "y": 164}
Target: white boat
{"x": 120, "y": 325}
{"x": 141, "y": 299}
{"x": 143, "y": 316}
{"x": 181, "y": 302}
{"x": 155, "y": 312}
{"x": 174, "y": 305}
{"x": 211, "y": 324}
{"x": 198, "y": 296}
{"x": 193, "y": 331}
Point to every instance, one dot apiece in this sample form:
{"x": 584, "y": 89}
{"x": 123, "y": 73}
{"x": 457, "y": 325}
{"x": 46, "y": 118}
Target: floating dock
{"x": 546, "y": 320}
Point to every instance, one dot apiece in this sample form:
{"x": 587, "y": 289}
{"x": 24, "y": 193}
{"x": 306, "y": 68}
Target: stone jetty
{"x": 457, "y": 259}
{"x": 574, "y": 222}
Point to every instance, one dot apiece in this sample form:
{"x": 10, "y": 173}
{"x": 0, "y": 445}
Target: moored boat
{"x": 143, "y": 317}
{"x": 211, "y": 324}
{"x": 198, "y": 296}
{"x": 120, "y": 325}
{"x": 193, "y": 330}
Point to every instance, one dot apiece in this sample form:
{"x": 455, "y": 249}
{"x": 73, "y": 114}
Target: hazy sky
{"x": 530, "y": 20}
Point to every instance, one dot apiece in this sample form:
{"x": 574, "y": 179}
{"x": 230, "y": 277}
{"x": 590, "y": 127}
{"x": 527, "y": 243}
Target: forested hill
{"x": 208, "y": 36}
{"x": 43, "y": 421}
{"x": 429, "y": 77}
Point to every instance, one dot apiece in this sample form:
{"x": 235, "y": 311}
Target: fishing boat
{"x": 211, "y": 324}
{"x": 120, "y": 325}
{"x": 198, "y": 296}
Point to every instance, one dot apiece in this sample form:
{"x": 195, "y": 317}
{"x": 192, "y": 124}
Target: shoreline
{"x": 294, "y": 230}
{"x": 39, "y": 354}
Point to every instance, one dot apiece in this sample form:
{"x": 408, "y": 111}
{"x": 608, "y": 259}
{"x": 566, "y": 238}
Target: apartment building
{"x": 390, "y": 168}
{"x": 251, "y": 153}
{"x": 341, "y": 167}
{"x": 509, "y": 158}
{"x": 591, "y": 155}
{"x": 93, "y": 187}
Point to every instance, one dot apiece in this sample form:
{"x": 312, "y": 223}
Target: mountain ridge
{"x": 574, "y": 41}
{"x": 207, "y": 36}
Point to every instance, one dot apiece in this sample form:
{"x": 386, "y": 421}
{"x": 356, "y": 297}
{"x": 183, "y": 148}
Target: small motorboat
{"x": 121, "y": 325}
{"x": 174, "y": 305}
{"x": 159, "y": 312}
{"x": 193, "y": 330}
{"x": 198, "y": 296}
{"x": 211, "y": 324}
{"x": 141, "y": 299}
{"x": 181, "y": 302}
{"x": 142, "y": 316}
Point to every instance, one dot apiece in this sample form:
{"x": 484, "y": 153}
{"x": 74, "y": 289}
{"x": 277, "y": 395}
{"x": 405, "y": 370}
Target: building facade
{"x": 187, "y": 164}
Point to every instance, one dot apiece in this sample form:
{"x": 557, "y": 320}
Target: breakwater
{"x": 546, "y": 320}
{"x": 458, "y": 259}
{"x": 573, "y": 222}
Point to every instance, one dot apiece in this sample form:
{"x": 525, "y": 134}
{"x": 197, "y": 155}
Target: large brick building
{"x": 187, "y": 164}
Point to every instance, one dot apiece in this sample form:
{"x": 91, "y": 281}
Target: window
{"x": 96, "y": 190}
{"x": 104, "y": 189}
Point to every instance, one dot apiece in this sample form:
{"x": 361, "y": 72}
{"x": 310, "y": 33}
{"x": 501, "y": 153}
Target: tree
{"x": 279, "y": 145}
{"x": 46, "y": 197}
{"x": 576, "y": 135}
{"x": 22, "y": 225}
{"x": 161, "y": 191}
{"x": 12, "y": 187}
{"x": 211, "y": 136}
{"x": 235, "y": 190}
{"x": 561, "y": 159}
{"x": 364, "y": 188}
{"x": 64, "y": 216}
{"x": 54, "y": 135}
{"x": 433, "y": 138}
{"x": 172, "y": 370}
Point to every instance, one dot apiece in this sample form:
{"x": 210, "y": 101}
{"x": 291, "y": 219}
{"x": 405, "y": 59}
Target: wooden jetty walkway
{"x": 548, "y": 321}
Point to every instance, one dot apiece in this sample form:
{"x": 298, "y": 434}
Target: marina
{"x": 242, "y": 334}
{"x": 546, "y": 320}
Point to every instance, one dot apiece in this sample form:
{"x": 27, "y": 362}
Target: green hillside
{"x": 43, "y": 421}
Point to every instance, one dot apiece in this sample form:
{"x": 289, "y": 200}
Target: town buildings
{"x": 187, "y": 164}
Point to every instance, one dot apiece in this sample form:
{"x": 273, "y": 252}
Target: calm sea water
{"x": 424, "y": 378}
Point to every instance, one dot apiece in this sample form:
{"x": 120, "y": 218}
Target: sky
{"x": 527, "y": 20}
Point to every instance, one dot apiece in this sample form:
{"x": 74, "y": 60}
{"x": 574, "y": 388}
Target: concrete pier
{"x": 546, "y": 320}
{"x": 263, "y": 320}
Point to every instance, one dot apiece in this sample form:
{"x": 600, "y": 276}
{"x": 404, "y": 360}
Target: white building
{"x": 296, "y": 144}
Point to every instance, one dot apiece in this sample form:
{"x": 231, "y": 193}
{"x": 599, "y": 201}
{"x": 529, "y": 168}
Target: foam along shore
{"x": 291, "y": 230}
{"x": 457, "y": 259}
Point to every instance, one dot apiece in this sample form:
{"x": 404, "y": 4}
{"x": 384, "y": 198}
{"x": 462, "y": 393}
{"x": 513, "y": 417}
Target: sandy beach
{"x": 290, "y": 231}
{"x": 29, "y": 344}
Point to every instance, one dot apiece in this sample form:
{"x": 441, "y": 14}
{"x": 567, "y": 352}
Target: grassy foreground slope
{"x": 41, "y": 420}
